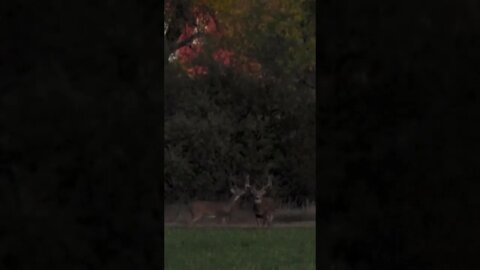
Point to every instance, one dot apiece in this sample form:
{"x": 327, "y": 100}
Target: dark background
{"x": 80, "y": 135}
{"x": 397, "y": 149}
{"x": 398, "y": 136}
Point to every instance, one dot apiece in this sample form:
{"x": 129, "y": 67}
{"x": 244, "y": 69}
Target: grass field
{"x": 207, "y": 248}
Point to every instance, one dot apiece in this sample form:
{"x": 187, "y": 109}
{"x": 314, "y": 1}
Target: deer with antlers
{"x": 213, "y": 209}
{"x": 263, "y": 207}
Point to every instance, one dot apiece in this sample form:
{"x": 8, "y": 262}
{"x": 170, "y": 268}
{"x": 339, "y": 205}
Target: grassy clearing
{"x": 237, "y": 248}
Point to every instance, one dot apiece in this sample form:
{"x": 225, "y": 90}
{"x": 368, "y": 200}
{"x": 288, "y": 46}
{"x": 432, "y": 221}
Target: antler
{"x": 232, "y": 187}
{"x": 269, "y": 184}
{"x": 247, "y": 181}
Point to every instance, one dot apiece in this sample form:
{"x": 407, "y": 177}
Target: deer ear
{"x": 232, "y": 190}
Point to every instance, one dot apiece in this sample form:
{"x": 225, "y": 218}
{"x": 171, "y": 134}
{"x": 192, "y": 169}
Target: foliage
{"x": 278, "y": 35}
{"x": 222, "y": 125}
{"x": 212, "y": 133}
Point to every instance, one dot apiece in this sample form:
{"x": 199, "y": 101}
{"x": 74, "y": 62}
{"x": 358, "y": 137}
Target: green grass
{"x": 237, "y": 248}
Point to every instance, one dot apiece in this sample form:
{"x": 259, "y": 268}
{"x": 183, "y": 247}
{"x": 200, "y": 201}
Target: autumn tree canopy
{"x": 270, "y": 38}
{"x": 247, "y": 104}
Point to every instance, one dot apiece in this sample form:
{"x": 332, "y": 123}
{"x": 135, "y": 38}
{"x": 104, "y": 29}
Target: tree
{"x": 276, "y": 37}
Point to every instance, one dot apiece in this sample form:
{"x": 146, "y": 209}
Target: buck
{"x": 263, "y": 207}
{"x": 212, "y": 209}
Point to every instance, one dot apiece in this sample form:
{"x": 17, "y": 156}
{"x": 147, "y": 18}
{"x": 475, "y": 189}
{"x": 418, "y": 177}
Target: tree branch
{"x": 187, "y": 41}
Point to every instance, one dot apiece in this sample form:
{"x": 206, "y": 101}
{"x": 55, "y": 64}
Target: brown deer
{"x": 263, "y": 207}
{"x": 213, "y": 209}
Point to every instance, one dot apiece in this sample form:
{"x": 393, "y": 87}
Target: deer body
{"x": 263, "y": 207}
{"x": 200, "y": 209}
{"x": 264, "y": 211}
{"x": 212, "y": 209}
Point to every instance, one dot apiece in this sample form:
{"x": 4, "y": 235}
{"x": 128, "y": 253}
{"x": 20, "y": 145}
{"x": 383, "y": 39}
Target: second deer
{"x": 213, "y": 209}
{"x": 263, "y": 207}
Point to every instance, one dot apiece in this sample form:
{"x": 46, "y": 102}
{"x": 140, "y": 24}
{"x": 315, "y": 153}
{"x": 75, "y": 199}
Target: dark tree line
{"x": 229, "y": 123}
{"x": 223, "y": 126}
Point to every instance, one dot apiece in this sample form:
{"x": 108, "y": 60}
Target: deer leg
{"x": 229, "y": 219}
{"x": 195, "y": 219}
{"x": 258, "y": 221}
{"x": 190, "y": 223}
{"x": 270, "y": 219}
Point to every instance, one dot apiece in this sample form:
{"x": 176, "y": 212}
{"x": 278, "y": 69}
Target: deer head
{"x": 259, "y": 193}
{"x": 239, "y": 192}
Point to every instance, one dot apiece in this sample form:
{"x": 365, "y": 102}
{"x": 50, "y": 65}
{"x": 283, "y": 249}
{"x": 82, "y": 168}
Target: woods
{"x": 234, "y": 103}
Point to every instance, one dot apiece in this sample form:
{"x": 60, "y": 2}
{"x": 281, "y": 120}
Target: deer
{"x": 217, "y": 209}
{"x": 263, "y": 207}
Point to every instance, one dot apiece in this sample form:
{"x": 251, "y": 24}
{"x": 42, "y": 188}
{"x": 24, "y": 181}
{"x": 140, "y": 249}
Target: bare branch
{"x": 247, "y": 181}
{"x": 268, "y": 185}
{"x": 187, "y": 41}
